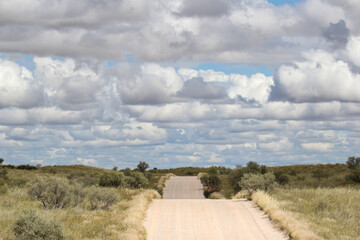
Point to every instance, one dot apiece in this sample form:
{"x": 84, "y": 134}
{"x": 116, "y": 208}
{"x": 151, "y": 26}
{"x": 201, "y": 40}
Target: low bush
{"x": 102, "y": 198}
{"x": 3, "y": 173}
{"x": 252, "y": 182}
{"x": 83, "y": 178}
{"x": 55, "y": 192}
{"x": 355, "y": 175}
{"x": 31, "y": 225}
{"x": 136, "y": 180}
{"x": 112, "y": 179}
{"x": 211, "y": 182}
{"x": 320, "y": 173}
{"x": 26, "y": 167}
{"x": 281, "y": 178}
{"x": 237, "y": 174}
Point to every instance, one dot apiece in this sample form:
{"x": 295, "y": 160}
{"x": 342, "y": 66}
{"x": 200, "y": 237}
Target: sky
{"x": 179, "y": 82}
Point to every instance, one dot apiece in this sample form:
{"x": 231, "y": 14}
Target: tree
{"x": 142, "y": 166}
{"x": 1, "y": 161}
{"x": 353, "y": 162}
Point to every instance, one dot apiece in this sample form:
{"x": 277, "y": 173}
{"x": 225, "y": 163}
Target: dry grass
{"x": 161, "y": 184}
{"x": 314, "y": 213}
{"x": 216, "y": 195}
{"x": 242, "y": 194}
{"x": 121, "y": 221}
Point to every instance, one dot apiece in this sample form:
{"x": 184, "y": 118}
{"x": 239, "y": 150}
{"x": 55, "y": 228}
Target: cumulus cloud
{"x": 203, "y": 8}
{"x": 153, "y": 84}
{"x": 18, "y": 88}
{"x": 353, "y": 50}
{"x": 229, "y": 31}
{"x": 337, "y": 34}
{"x": 128, "y": 75}
{"x": 197, "y": 88}
{"x": 321, "y": 78}
{"x": 69, "y": 83}
{"x": 282, "y": 145}
{"x": 317, "y": 146}
{"x": 86, "y": 161}
{"x": 257, "y": 87}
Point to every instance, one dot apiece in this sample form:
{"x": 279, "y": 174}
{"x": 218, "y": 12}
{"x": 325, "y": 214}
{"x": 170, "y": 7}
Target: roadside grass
{"x": 162, "y": 180}
{"x": 121, "y": 221}
{"x": 302, "y": 176}
{"x": 308, "y": 213}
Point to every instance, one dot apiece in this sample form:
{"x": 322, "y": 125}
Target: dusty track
{"x": 195, "y": 218}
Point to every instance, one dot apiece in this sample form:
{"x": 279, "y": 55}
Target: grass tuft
{"x": 322, "y": 213}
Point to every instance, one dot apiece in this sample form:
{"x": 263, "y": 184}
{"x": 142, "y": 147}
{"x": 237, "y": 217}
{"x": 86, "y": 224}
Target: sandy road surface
{"x": 183, "y": 188}
{"x": 176, "y": 218}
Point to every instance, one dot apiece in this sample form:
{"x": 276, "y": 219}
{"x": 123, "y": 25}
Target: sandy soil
{"x": 183, "y": 188}
{"x": 186, "y": 215}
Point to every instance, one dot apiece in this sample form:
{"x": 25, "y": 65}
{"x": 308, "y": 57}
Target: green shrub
{"x": 281, "y": 178}
{"x": 355, "y": 175}
{"x": 212, "y": 170}
{"x": 55, "y": 192}
{"x": 237, "y": 174}
{"x": 3, "y": 173}
{"x": 31, "y": 225}
{"x": 252, "y": 182}
{"x": 136, "y": 180}
{"x": 320, "y": 173}
{"x": 84, "y": 179}
{"x": 102, "y": 198}
{"x": 112, "y": 179}
{"x": 211, "y": 182}
{"x": 26, "y": 167}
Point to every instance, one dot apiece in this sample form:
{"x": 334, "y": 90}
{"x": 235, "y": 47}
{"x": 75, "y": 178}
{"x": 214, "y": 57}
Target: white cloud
{"x": 67, "y": 82}
{"x": 276, "y": 146}
{"x": 320, "y": 78}
{"x": 214, "y": 158}
{"x": 153, "y": 84}
{"x": 353, "y": 50}
{"x": 317, "y": 146}
{"x": 86, "y": 161}
{"x": 257, "y": 87}
{"x": 18, "y": 88}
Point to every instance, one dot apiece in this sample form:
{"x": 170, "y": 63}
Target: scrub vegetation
{"x": 79, "y": 202}
{"x": 73, "y": 202}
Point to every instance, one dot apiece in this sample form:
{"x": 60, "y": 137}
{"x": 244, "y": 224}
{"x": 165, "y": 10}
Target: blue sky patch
{"x": 282, "y": 2}
{"x": 247, "y": 70}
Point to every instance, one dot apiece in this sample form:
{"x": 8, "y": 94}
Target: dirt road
{"x": 183, "y": 188}
{"x": 184, "y": 214}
